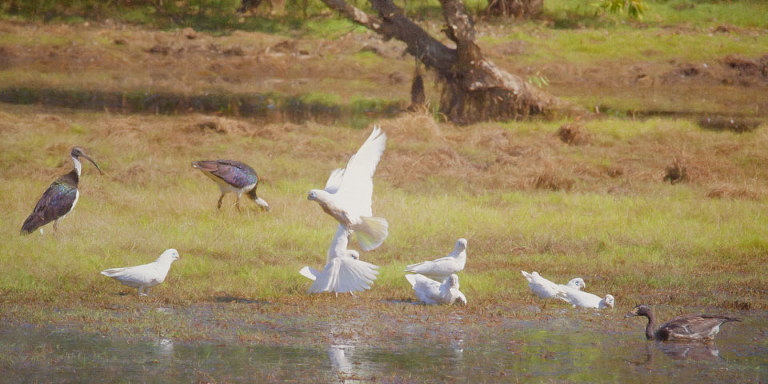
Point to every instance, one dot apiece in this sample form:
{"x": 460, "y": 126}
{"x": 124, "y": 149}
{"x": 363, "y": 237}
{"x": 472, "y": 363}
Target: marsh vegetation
{"x": 658, "y": 196}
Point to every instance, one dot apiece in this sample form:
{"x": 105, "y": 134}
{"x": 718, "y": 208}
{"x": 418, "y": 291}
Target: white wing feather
{"x": 334, "y": 180}
{"x": 445, "y": 266}
{"x": 442, "y": 267}
{"x": 344, "y": 274}
{"x": 540, "y": 286}
{"x": 309, "y": 272}
{"x": 579, "y": 298}
{"x": 431, "y": 292}
{"x": 356, "y": 186}
{"x": 426, "y": 289}
{"x": 547, "y": 289}
{"x": 141, "y": 275}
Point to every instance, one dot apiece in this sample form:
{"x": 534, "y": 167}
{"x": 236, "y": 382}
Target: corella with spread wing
{"x": 344, "y": 271}
{"x": 144, "y": 276}
{"x": 431, "y": 292}
{"x": 547, "y": 289}
{"x": 691, "y": 327}
{"x": 443, "y": 267}
{"x": 348, "y": 193}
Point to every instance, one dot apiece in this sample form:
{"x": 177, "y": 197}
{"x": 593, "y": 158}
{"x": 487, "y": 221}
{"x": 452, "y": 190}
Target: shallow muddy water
{"x": 562, "y": 346}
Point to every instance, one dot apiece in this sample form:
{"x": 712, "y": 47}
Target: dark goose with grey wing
{"x": 691, "y": 327}
{"x": 60, "y": 198}
{"x": 232, "y": 176}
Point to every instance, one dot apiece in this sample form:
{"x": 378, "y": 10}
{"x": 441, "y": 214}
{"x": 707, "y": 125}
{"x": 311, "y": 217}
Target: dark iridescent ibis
{"x": 232, "y": 176}
{"x": 60, "y": 198}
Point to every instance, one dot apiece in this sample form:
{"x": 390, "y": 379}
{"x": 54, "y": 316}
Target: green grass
{"x": 653, "y": 243}
{"x": 627, "y": 43}
{"x": 700, "y": 14}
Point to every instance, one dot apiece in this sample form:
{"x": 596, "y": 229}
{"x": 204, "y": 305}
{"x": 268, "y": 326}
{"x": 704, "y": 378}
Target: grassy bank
{"x": 522, "y": 197}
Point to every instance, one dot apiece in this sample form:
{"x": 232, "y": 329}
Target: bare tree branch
{"x": 355, "y": 14}
{"x": 391, "y": 23}
{"x": 473, "y": 86}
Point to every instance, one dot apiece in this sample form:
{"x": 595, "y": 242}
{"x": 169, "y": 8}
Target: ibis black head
{"x": 78, "y": 152}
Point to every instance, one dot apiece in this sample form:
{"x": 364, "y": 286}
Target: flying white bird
{"x": 144, "y": 276}
{"x": 547, "y": 289}
{"x": 443, "y": 267}
{"x": 348, "y": 193}
{"x": 344, "y": 271}
{"x": 584, "y": 299}
{"x": 431, "y": 292}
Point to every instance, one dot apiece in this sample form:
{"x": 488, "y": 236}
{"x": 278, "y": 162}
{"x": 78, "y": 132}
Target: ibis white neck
{"x": 78, "y": 165}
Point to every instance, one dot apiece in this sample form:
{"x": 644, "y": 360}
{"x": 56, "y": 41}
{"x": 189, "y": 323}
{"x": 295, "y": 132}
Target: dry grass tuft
{"x": 733, "y": 192}
{"x": 573, "y": 134}
{"x": 676, "y": 172}
{"x": 551, "y": 179}
{"x": 413, "y": 127}
{"x": 221, "y": 125}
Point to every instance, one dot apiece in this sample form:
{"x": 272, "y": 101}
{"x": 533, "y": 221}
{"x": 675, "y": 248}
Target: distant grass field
{"x": 682, "y": 57}
{"x": 523, "y": 199}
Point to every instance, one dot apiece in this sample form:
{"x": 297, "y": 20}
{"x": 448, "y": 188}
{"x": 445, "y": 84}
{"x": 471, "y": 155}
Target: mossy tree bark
{"x": 474, "y": 88}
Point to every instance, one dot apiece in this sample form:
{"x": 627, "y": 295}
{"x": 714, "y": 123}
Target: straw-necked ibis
{"x": 232, "y": 176}
{"x": 60, "y": 198}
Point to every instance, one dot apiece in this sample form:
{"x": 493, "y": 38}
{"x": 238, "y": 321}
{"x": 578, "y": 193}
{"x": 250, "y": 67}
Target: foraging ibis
{"x": 232, "y": 176}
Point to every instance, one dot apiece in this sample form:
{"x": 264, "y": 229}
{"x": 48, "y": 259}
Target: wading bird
{"x": 443, "y": 267}
{"x": 348, "y": 193}
{"x": 691, "y": 327}
{"x": 144, "y": 276}
{"x": 431, "y": 292}
{"x": 60, "y": 197}
{"x": 232, "y": 176}
{"x": 344, "y": 271}
{"x": 547, "y": 289}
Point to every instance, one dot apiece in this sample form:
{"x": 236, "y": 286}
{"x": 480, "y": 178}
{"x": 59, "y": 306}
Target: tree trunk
{"x": 516, "y": 8}
{"x": 474, "y": 88}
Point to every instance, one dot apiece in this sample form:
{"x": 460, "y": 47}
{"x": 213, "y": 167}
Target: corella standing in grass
{"x": 348, "y": 193}
{"x": 60, "y": 197}
{"x": 579, "y": 298}
{"x": 431, "y": 292}
{"x": 443, "y": 267}
{"x": 232, "y": 177}
{"x": 344, "y": 271}
{"x": 144, "y": 276}
{"x": 547, "y": 289}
